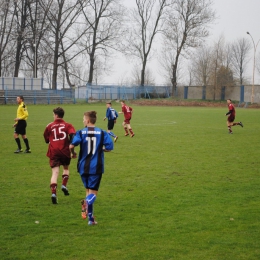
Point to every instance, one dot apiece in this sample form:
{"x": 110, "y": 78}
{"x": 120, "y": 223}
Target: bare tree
{"x": 217, "y": 62}
{"x": 6, "y": 41}
{"x": 185, "y": 28}
{"x": 62, "y": 16}
{"x": 21, "y": 11}
{"x": 202, "y": 65}
{"x": 258, "y": 62}
{"x": 103, "y": 23}
{"x": 146, "y": 23}
{"x": 148, "y": 80}
{"x": 240, "y": 52}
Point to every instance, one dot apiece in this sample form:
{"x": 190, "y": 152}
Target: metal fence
{"x": 35, "y": 92}
{"x": 38, "y": 96}
{"x": 113, "y": 92}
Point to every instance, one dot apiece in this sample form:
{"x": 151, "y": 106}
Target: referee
{"x": 20, "y": 125}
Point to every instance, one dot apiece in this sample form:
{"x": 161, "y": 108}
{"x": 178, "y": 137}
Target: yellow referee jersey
{"x": 22, "y": 112}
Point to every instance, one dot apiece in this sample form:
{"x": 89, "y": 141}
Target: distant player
{"x": 127, "y": 111}
{"x": 58, "y": 135}
{"x": 231, "y": 116}
{"x": 20, "y": 125}
{"x": 111, "y": 116}
{"x": 93, "y": 142}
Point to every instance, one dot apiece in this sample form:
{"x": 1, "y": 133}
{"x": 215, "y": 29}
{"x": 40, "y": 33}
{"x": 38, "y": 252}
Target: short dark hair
{"x": 59, "y": 111}
{"x": 21, "y": 97}
{"x": 92, "y": 115}
{"x": 229, "y": 99}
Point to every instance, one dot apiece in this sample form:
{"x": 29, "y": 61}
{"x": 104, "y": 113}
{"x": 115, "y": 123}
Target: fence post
{"x": 186, "y": 90}
{"x": 242, "y": 93}
{"x": 203, "y": 92}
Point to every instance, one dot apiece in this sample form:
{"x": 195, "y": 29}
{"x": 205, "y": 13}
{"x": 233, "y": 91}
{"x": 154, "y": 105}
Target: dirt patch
{"x": 188, "y": 103}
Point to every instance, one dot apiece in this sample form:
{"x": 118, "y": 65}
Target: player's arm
{"x": 107, "y": 144}
{"x": 229, "y": 112}
{"x": 73, "y": 154}
{"x": 71, "y": 136}
{"x": 46, "y": 136}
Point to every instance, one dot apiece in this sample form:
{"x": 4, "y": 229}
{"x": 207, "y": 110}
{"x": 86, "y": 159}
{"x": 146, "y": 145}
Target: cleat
{"x": 90, "y": 222}
{"x": 84, "y": 211}
{"x": 230, "y": 132}
{"x": 27, "y": 151}
{"x": 132, "y": 135}
{"x": 54, "y": 199}
{"x": 65, "y": 190}
{"x": 19, "y": 151}
{"x": 241, "y": 124}
{"x": 126, "y": 134}
{"x": 115, "y": 139}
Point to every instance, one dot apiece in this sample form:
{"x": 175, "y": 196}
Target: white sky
{"x": 235, "y": 18}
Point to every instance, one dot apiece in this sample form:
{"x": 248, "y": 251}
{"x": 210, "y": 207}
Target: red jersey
{"x": 57, "y": 135}
{"x": 231, "y": 108}
{"x": 127, "y": 111}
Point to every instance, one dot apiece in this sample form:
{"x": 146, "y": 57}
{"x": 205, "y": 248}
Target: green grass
{"x": 182, "y": 188}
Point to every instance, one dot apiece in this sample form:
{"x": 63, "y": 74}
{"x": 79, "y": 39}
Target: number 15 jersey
{"x": 57, "y": 135}
{"x": 91, "y": 155}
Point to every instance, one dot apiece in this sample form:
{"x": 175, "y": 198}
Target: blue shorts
{"x": 91, "y": 181}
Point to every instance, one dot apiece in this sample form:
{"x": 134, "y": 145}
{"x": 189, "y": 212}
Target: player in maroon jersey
{"x": 127, "y": 111}
{"x": 231, "y": 116}
{"x": 59, "y": 135}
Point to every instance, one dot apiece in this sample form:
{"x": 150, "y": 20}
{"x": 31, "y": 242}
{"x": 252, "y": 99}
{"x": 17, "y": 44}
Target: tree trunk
{"x": 91, "y": 67}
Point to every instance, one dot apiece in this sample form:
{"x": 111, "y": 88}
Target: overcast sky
{"x": 235, "y": 18}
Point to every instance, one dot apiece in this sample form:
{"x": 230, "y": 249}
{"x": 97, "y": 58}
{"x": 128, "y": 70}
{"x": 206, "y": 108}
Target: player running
{"x": 127, "y": 111}
{"x": 231, "y": 116}
{"x": 93, "y": 143}
{"x": 58, "y": 135}
{"x": 111, "y": 116}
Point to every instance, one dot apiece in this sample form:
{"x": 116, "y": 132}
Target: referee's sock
{"x": 26, "y": 143}
{"x": 18, "y": 143}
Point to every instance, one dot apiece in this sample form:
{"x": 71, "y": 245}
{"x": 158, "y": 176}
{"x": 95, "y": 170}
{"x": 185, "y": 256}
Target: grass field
{"x": 182, "y": 188}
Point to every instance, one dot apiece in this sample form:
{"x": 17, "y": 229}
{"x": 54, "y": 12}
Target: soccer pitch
{"x": 182, "y": 188}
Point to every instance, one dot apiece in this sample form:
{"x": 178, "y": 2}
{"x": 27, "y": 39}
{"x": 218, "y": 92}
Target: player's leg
{"x": 125, "y": 128}
{"x": 229, "y": 124}
{"x": 130, "y": 129}
{"x": 238, "y": 123}
{"x": 110, "y": 127}
{"x": 91, "y": 194}
{"x": 54, "y": 180}
{"x": 65, "y": 178}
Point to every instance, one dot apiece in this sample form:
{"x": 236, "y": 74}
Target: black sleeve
{"x": 71, "y": 137}
{"x": 229, "y": 112}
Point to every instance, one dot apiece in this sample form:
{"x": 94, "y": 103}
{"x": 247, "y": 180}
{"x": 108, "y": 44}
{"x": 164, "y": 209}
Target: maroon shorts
{"x": 127, "y": 121}
{"x": 56, "y": 162}
{"x": 231, "y": 119}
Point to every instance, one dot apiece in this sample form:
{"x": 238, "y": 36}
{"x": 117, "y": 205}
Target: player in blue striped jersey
{"x": 111, "y": 116}
{"x": 93, "y": 143}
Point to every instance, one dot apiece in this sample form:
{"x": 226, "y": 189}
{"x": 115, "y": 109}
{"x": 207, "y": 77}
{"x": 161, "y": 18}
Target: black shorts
{"x": 21, "y": 127}
{"x": 110, "y": 124}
